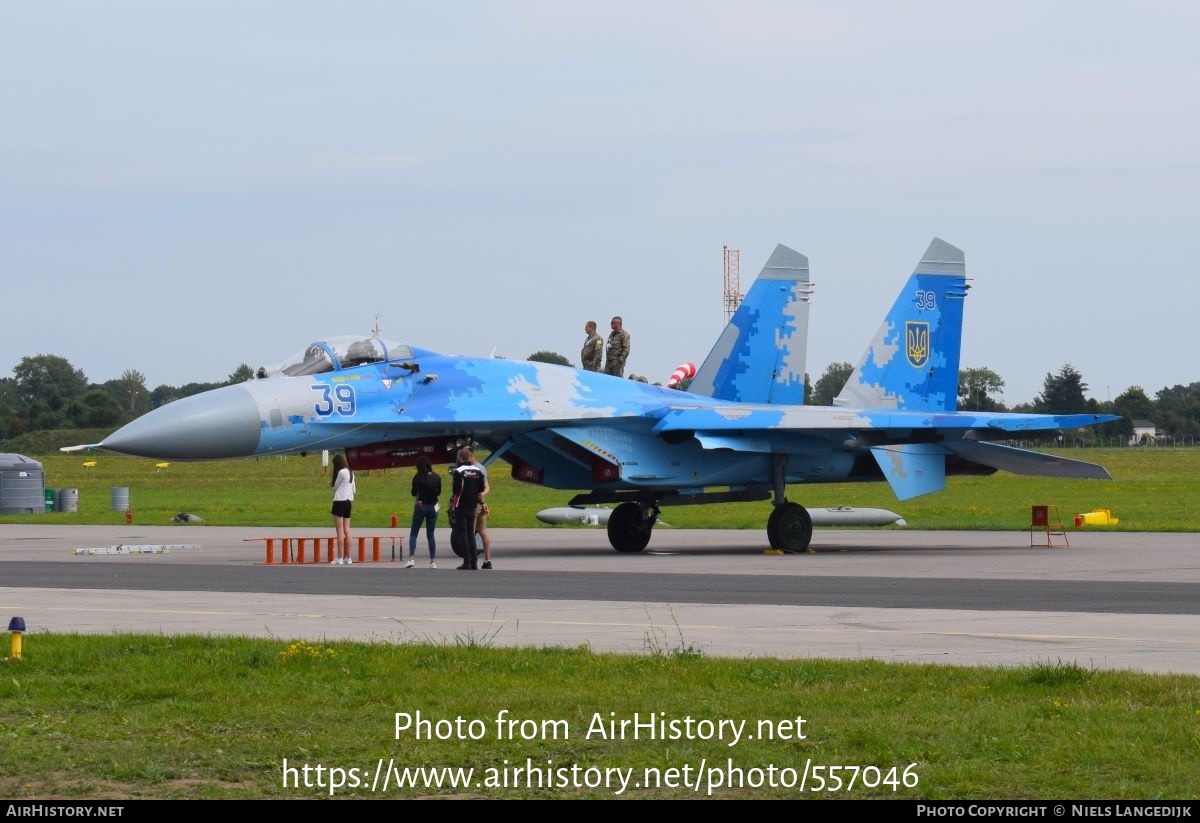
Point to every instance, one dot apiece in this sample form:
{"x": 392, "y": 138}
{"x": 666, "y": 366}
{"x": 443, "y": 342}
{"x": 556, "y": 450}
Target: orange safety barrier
{"x": 295, "y": 549}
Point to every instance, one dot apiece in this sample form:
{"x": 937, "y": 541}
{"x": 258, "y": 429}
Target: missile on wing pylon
{"x": 837, "y": 516}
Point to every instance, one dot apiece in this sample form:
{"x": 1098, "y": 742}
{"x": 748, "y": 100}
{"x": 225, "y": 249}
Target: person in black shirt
{"x": 469, "y": 492}
{"x": 426, "y": 489}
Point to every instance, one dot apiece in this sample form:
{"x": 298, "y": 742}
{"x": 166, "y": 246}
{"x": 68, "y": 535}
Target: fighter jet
{"x": 741, "y": 432}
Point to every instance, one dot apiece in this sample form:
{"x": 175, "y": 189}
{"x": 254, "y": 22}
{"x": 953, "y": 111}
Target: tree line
{"x": 47, "y": 392}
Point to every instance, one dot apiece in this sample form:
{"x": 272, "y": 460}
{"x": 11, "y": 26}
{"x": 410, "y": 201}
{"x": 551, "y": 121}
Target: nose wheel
{"x": 630, "y": 525}
{"x": 789, "y": 528}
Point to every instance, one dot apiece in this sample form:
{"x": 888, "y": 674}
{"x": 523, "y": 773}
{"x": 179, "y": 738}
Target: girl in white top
{"x": 343, "y": 497}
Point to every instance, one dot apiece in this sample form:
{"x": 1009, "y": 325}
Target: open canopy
{"x": 337, "y": 353}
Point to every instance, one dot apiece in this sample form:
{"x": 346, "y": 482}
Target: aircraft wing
{"x": 761, "y": 417}
{"x": 909, "y": 448}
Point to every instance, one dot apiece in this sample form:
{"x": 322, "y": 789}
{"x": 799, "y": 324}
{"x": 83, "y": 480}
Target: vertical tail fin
{"x": 912, "y": 362}
{"x": 760, "y": 357}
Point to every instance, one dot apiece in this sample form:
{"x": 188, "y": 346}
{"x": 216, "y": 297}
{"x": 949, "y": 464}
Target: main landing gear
{"x": 789, "y": 528}
{"x": 630, "y": 524}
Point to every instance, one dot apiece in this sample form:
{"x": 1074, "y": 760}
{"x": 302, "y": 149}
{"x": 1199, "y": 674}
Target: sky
{"x": 188, "y": 186}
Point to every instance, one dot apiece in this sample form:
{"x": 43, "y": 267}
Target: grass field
{"x": 214, "y": 718}
{"x": 1152, "y": 490}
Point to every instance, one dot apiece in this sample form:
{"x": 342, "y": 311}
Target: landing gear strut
{"x": 789, "y": 528}
{"x": 630, "y": 524}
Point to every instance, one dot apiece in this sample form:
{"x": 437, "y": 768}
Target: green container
{"x": 51, "y": 495}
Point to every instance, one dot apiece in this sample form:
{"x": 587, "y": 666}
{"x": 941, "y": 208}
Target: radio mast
{"x": 731, "y": 297}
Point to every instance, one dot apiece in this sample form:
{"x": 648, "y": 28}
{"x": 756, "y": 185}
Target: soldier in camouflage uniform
{"x": 593, "y": 348}
{"x": 618, "y": 349}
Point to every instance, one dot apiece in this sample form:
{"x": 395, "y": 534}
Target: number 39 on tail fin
{"x": 912, "y": 362}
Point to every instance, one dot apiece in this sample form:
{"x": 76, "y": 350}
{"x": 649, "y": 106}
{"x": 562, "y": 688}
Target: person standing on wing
{"x": 618, "y": 348}
{"x": 593, "y": 348}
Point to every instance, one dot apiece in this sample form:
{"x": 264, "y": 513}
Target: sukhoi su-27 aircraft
{"x": 741, "y": 431}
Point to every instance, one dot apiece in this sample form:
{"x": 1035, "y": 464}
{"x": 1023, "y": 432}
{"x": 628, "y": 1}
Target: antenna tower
{"x": 732, "y": 296}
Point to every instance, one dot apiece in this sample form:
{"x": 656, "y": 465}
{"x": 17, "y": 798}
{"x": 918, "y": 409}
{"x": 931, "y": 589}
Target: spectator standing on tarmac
{"x": 343, "y": 498}
{"x": 481, "y": 518}
{"x": 426, "y": 489}
{"x": 469, "y": 493}
{"x": 593, "y": 348}
{"x": 618, "y": 348}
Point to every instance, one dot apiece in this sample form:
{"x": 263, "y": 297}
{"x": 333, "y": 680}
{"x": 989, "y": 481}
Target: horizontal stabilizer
{"x": 1023, "y": 461}
{"x": 912, "y": 469}
{"x": 84, "y": 447}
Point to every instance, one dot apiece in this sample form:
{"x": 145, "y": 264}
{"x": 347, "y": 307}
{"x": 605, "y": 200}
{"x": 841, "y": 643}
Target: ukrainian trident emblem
{"x": 916, "y": 343}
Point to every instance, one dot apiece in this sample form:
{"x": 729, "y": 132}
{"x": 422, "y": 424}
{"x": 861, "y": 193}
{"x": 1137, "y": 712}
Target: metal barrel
{"x": 120, "y": 498}
{"x": 68, "y": 500}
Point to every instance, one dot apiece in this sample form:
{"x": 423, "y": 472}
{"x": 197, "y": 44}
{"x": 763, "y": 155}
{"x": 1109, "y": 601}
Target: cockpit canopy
{"x": 337, "y": 353}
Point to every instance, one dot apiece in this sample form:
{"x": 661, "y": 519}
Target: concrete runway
{"x": 1110, "y": 601}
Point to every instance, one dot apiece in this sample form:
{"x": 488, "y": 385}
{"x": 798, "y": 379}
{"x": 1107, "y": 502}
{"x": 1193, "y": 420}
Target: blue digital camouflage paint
{"x": 912, "y": 362}
{"x": 760, "y": 357}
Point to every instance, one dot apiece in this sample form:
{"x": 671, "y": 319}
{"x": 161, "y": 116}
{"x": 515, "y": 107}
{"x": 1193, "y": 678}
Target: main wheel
{"x": 628, "y": 528}
{"x": 790, "y": 528}
{"x": 774, "y": 537}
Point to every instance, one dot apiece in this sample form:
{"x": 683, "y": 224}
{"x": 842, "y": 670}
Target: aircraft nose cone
{"x": 215, "y": 424}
